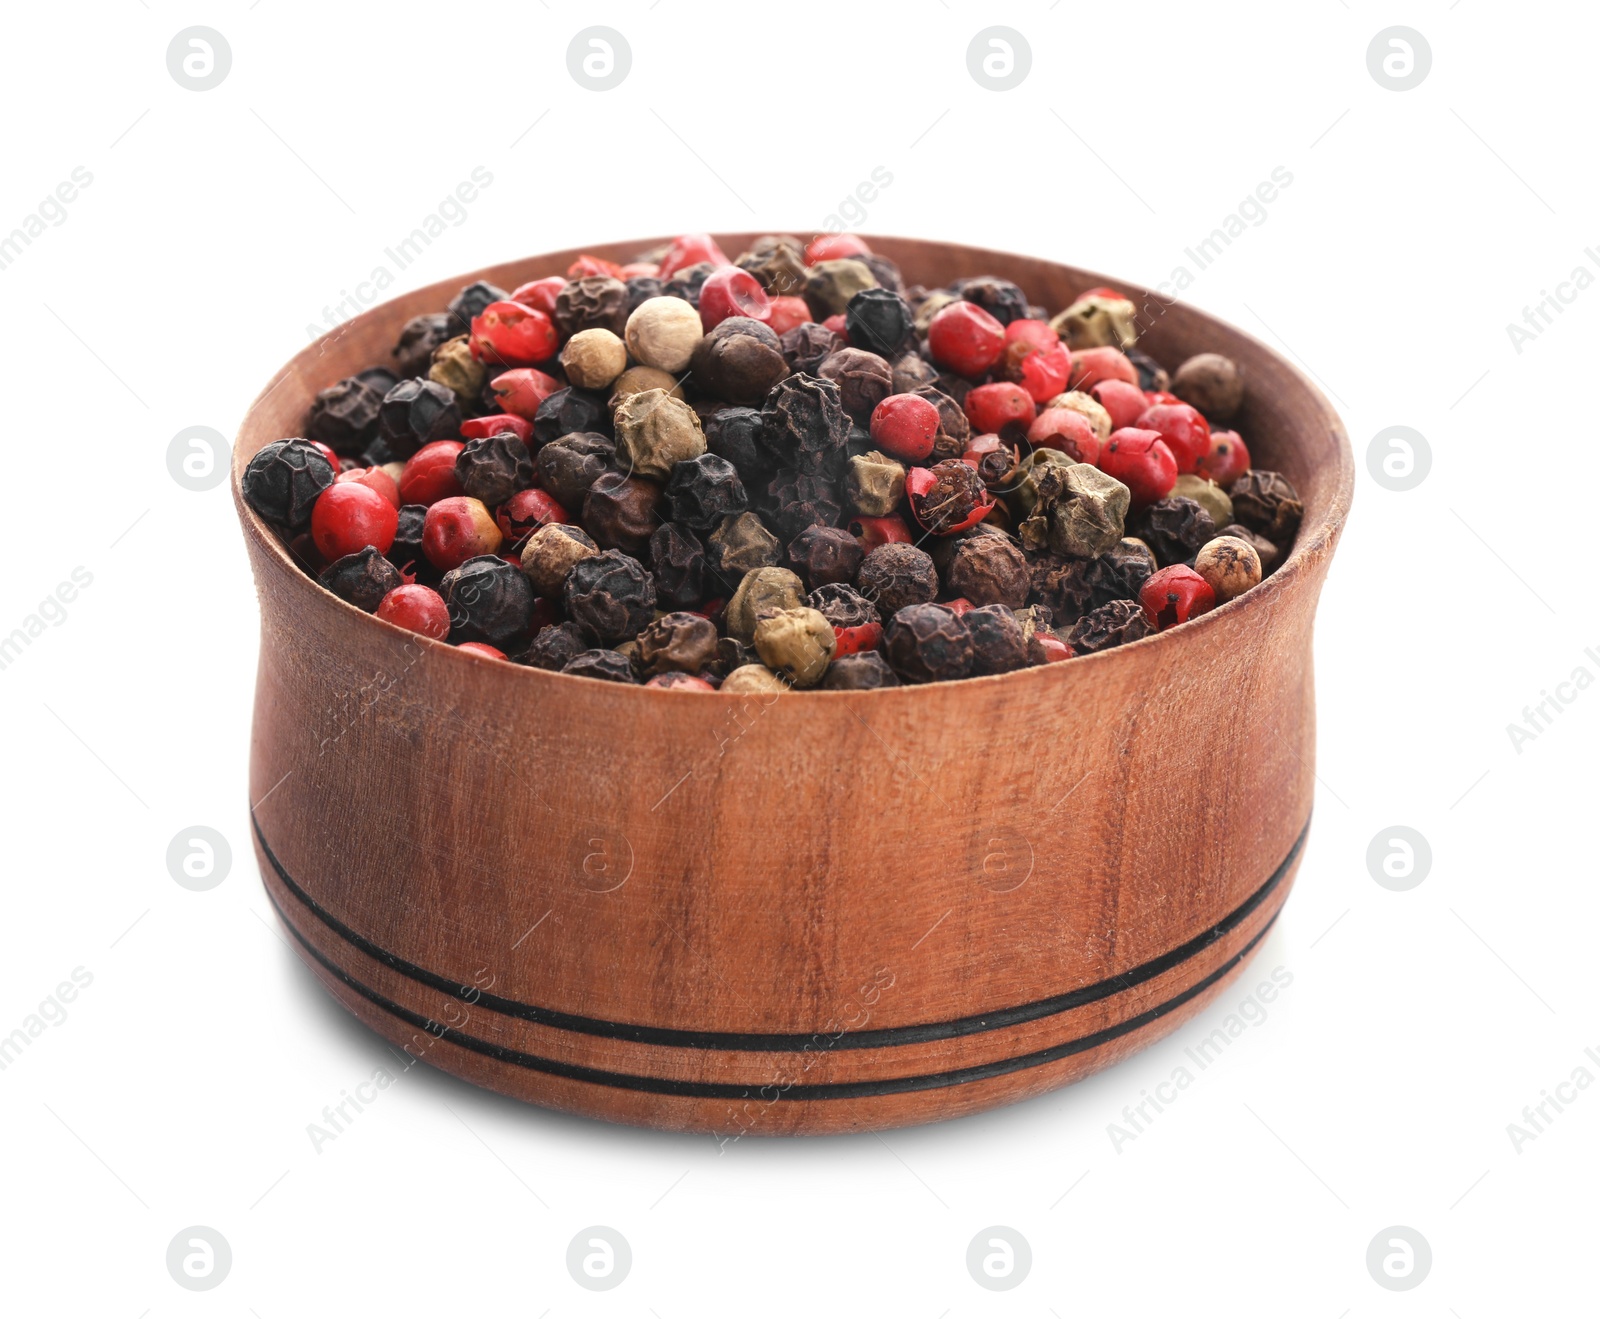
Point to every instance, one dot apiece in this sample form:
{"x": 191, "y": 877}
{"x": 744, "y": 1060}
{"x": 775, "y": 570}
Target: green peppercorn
{"x": 763, "y": 591}
{"x": 831, "y": 284}
{"x": 455, "y": 368}
{"x": 655, "y": 431}
{"x": 1096, "y": 321}
{"x": 874, "y": 484}
{"x": 1208, "y": 494}
{"x": 741, "y": 544}
{"x": 1080, "y": 511}
{"x": 797, "y": 643}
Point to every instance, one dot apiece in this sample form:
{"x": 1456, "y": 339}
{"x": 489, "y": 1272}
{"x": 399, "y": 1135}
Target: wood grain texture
{"x": 819, "y": 912}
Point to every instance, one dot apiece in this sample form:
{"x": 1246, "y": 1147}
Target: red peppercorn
{"x": 499, "y": 423}
{"x": 594, "y": 265}
{"x": 965, "y": 338}
{"x": 458, "y": 529}
{"x": 1054, "y": 648}
{"x": 525, "y": 512}
{"x": 1102, "y": 292}
{"x": 1092, "y": 365}
{"x": 482, "y": 648}
{"x": 1000, "y": 408}
{"x": 788, "y": 312}
{"x": 856, "y": 640}
{"x": 1175, "y": 595}
{"x": 1124, "y": 402}
{"x": 873, "y": 532}
{"x": 522, "y": 390}
{"x": 430, "y": 474}
{"x": 1035, "y": 358}
{"x": 1183, "y": 428}
{"x": 1067, "y": 430}
{"x": 904, "y": 426}
{"x": 1154, "y": 396}
{"x": 375, "y": 477}
{"x": 1225, "y": 461}
{"x": 837, "y": 325}
{"x": 1141, "y": 460}
{"x": 732, "y": 292}
{"x": 835, "y": 247}
{"x": 349, "y": 516}
{"x": 540, "y": 294}
{"x": 959, "y": 605}
{"x": 420, "y": 608}
{"x": 690, "y": 250}
{"x": 938, "y": 498}
{"x": 513, "y": 335}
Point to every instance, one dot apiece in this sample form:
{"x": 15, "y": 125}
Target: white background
{"x": 220, "y": 224}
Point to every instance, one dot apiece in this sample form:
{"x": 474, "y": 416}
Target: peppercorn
{"x": 803, "y": 499}
{"x": 405, "y": 550}
{"x": 679, "y": 641}
{"x": 654, "y": 431}
{"x": 880, "y": 320}
{"x": 494, "y": 469}
{"x": 874, "y": 484}
{"x": 594, "y": 358}
{"x": 1097, "y": 321}
{"x": 662, "y": 332}
{"x": 741, "y": 543}
{"x": 735, "y": 434}
{"x": 895, "y": 575}
{"x": 553, "y": 647}
{"x": 1174, "y": 528}
{"x": 610, "y": 594}
{"x": 1229, "y": 565}
{"x": 687, "y": 282}
{"x": 738, "y": 361}
{"x": 1174, "y": 595}
{"x": 524, "y": 513}
{"x": 1123, "y": 402}
{"x": 999, "y": 297}
{"x": 1091, "y": 409}
{"x": 824, "y": 555}
{"x": 883, "y": 270}
{"x": 595, "y": 302}
{"x": 421, "y": 609}
{"x": 606, "y": 665}
{"x": 733, "y": 654}
{"x": 1113, "y": 624}
{"x": 569, "y": 465}
{"x": 808, "y": 345}
{"x": 349, "y": 516}
{"x": 796, "y": 643}
{"x": 1120, "y": 571}
{"x": 1266, "y": 503}
{"x": 831, "y": 284}
{"x": 566, "y": 412}
{"x": 954, "y": 429}
{"x": 753, "y": 680}
{"x": 482, "y": 649}
{"x": 1269, "y": 554}
{"x": 864, "y": 380}
{"x": 950, "y": 499}
{"x": 454, "y": 367}
{"x": 989, "y": 569}
{"x": 843, "y": 606}
{"x": 703, "y": 490}
{"x": 1079, "y": 511}
{"x": 418, "y": 338}
{"x": 1212, "y": 383}
{"x": 1208, "y": 494}
{"x": 416, "y": 412}
{"x": 284, "y": 480}
{"x": 1141, "y": 460}
{"x": 1225, "y": 461}
{"x": 803, "y": 422}
{"x": 345, "y": 416}
{"x": 457, "y": 529}
{"x": 1062, "y": 585}
{"x": 778, "y": 262}
{"x": 998, "y": 645}
{"x": 762, "y": 591}
{"x": 489, "y": 600}
{"x": 1152, "y": 377}
{"x": 620, "y": 512}
{"x": 362, "y": 578}
{"x": 859, "y": 673}
{"x": 678, "y": 561}
{"x": 471, "y": 302}
{"x": 641, "y": 288}
{"x": 928, "y": 643}
{"x": 637, "y": 379}
{"x": 910, "y": 373}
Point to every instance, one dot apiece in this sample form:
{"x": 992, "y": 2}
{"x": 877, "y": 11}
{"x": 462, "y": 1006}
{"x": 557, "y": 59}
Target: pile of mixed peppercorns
{"x": 785, "y": 470}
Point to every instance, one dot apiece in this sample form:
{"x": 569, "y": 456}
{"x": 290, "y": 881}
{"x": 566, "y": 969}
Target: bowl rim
{"x": 1311, "y": 542}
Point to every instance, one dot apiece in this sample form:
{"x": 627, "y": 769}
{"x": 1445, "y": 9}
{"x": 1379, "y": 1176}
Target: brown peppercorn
{"x": 1112, "y": 624}
{"x": 555, "y": 646}
{"x": 957, "y": 490}
{"x": 824, "y": 555}
{"x": 680, "y": 642}
{"x": 1098, "y": 418}
{"x": 1269, "y": 554}
{"x": 1079, "y": 511}
{"x": 808, "y": 345}
{"x": 637, "y": 379}
{"x": 1121, "y": 571}
{"x": 1208, "y": 494}
{"x": 655, "y": 431}
{"x": 1062, "y": 585}
{"x": 594, "y": 358}
{"x": 863, "y": 672}
{"x": 998, "y": 645}
{"x": 874, "y": 484}
{"x": 595, "y": 302}
{"x": 620, "y": 512}
{"x": 989, "y": 570}
{"x": 739, "y": 361}
{"x": 843, "y": 606}
{"x": 662, "y": 332}
{"x": 678, "y": 560}
{"x": 418, "y": 338}
{"x": 455, "y": 368}
{"x": 741, "y": 544}
{"x": 831, "y": 284}
{"x": 569, "y": 465}
{"x": 1229, "y": 565}
{"x": 550, "y": 553}
{"x": 864, "y": 381}
{"x": 910, "y": 373}
{"x": 1211, "y": 383}
{"x": 1174, "y": 529}
{"x": 494, "y": 469}
{"x": 1096, "y": 321}
{"x": 1266, "y": 503}
{"x": 928, "y": 643}
{"x": 778, "y": 263}
{"x": 763, "y": 591}
{"x": 896, "y": 575}
{"x": 797, "y": 643}
{"x": 753, "y": 680}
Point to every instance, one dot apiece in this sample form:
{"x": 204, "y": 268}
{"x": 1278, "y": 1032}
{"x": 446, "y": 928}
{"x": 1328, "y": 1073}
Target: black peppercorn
{"x": 1062, "y": 584}
{"x": 928, "y": 643}
{"x": 570, "y": 464}
{"x": 495, "y": 468}
{"x": 417, "y": 412}
{"x": 702, "y": 491}
{"x": 808, "y": 345}
{"x": 825, "y": 555}
{"x": 595, "y": 302}
{"x": 735, "y": 434}
{"x": 843, "y": 606}
{"x": 362, "y": 578}
{"x": 738, "y": 362}
{"x": 998, "y": 644}
{"x": 554, "y": 647}
{"x": 955, "y": 495}
{"x": 379, "y": 452}
{"x": 641, "y": 288}
{"x": 611, "y": 595}
{"x": 803, "y": 421}
{"x": 804, "y": 499}
{"x": 568, "y": 411}
{"x": 989, "y": 569}
{"x": 470, "y": 302}
{"x": 345, "y": 416}
{"x": 1120, "y": 571}
{"x": 1266, "y": 503}
{"x": 859, "y": 673}
{"x": 620, "y": 512}
{"x": 681, "y": 642}
{"x": 999, "y": 297}
{"x": 405, "y": 551}
{"x": 740, "y": 544}
{"x": 864, "y": 380}
{"x": 1112, "y": 624}
{"x": 880, "y": 321}
{"x": 686, "y": 284}
{"x": 489, "y": 600}
{"x": 379, "y": 379}
{"x": 283, "y": 481}
{"x": 420, "y": 336}
{"x": 896, "y": 575}
{"x": 1174, "y": 528}
{"x": 606, "y": 665}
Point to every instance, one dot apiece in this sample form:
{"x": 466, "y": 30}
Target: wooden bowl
{"x": 819, "y": 912}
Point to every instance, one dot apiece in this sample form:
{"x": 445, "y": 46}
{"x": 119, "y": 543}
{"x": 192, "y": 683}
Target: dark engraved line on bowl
{"x": 891, "y": 1085}
{"x": 883, "y": 1037}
